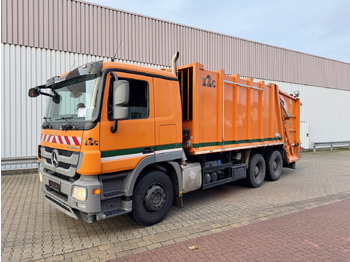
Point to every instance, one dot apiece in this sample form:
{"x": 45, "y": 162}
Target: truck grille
{"x": 67, "y": 162}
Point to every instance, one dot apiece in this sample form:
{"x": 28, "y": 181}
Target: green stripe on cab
{"x": 138, "y": 150}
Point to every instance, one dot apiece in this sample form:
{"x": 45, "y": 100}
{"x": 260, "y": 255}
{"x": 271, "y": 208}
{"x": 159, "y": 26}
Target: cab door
{"x": 135, "y": 136}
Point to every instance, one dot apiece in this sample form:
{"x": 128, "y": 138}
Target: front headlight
{"x": 79, "y": 193}
{"x": 40, "y": 177}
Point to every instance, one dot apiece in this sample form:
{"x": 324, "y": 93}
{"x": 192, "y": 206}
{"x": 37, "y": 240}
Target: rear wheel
{"x": 274, "y": 165}
{"x": 153, "y": 197}
{"x": 256, "y": 170}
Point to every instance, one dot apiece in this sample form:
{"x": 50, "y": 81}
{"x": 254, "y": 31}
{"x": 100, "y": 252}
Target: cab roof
{"x": 128, "y": 68}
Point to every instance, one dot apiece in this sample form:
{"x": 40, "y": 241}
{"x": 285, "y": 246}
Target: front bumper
{"x": 63, "y": 201}
{"x": 96, "y": 207}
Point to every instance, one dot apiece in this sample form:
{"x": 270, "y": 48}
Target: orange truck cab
{"x": 119, "y": 138}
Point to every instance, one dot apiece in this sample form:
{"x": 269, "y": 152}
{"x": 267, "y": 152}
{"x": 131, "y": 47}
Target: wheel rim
{"x": 274, "y": 165}
{"x": 154, "y": 198}
{"x": 258, "y": 172}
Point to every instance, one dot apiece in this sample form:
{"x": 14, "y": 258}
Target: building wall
{"x": 21, "y": 116}
{"x": 43, "y": 38}
{"x": 86, "y": 28}
{"x": 325, "y": 110}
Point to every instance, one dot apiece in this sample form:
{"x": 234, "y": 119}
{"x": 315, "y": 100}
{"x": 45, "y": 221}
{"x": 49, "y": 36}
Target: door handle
{"x": 147, "y": 150}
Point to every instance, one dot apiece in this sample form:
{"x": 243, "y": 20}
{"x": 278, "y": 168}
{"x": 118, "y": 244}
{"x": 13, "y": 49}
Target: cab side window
{"x": 138, "y": 99}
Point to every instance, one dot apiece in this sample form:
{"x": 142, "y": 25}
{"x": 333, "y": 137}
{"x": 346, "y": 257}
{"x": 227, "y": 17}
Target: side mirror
{"x": 56, "y": 98}
{"x": 120, "y": 97}
{"x": 120, "y": 100}
{"x": 34, "y": 92}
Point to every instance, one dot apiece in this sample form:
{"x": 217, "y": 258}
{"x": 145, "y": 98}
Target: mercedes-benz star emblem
{"x": 54, "y": 158}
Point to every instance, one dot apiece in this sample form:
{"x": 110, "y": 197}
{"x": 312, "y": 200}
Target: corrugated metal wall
{"x": 21, "y": 117}
{"x": 85, "y": 28}
{"x": 326, "y": 110}
{"x": 43, "y": 38}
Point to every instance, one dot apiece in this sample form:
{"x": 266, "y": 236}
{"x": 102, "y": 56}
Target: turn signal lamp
{"x": 96, "y": 191}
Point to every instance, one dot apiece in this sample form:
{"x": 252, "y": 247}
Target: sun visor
{"x": 92, "y": 68}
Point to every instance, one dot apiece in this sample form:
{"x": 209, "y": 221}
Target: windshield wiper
{"x": 64, "y": 118}
{"x": 66, "y": 126}
{"x": 48, "y": 125}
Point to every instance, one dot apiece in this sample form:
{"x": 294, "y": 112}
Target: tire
{"x": 256, "y": 171}
{"x": 274, "y": 165}
{"x": 152, "y": 200}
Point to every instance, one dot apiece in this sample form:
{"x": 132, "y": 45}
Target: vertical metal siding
{"x": 21, "y": 117}
{"x": 61, "y": 27}
{"x": 86, "y": 28}
{"x": 323, "y": 109}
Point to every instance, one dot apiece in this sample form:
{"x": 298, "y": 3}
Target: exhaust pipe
{"x": 173, "y": 62}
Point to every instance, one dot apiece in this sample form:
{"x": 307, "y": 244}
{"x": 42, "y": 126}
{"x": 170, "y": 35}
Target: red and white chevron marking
{"x": 65, "y": 140}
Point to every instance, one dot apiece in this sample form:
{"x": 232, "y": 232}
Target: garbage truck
{"x": 124, "y": 139}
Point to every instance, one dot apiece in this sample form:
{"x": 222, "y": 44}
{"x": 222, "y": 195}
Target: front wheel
{"x": 153, "y": 197}
{"x": 256, "y": 170}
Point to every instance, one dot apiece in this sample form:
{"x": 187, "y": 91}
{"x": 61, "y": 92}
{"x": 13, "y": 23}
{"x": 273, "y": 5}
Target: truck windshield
{"x": 77, "y": 100}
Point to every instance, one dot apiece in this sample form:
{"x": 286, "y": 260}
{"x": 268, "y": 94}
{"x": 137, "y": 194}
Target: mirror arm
{"x": 46, "y": 94}
{"x": 114, "y": 75}
{"x": 114, "y": 128}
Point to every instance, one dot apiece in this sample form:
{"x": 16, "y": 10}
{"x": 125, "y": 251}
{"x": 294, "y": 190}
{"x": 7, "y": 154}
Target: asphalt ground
{"x": 32, "y": 230}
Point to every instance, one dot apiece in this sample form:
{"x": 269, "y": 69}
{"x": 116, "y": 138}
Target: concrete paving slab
{"x": 31, "y": 229}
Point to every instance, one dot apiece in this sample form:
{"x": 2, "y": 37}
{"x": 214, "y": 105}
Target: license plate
{"x": 54, "y": 185}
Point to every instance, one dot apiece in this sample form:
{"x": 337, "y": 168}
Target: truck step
{"x": 113, "y": 194}
{"x": 114, "y": 212}
{"x": 111, "y": 213}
